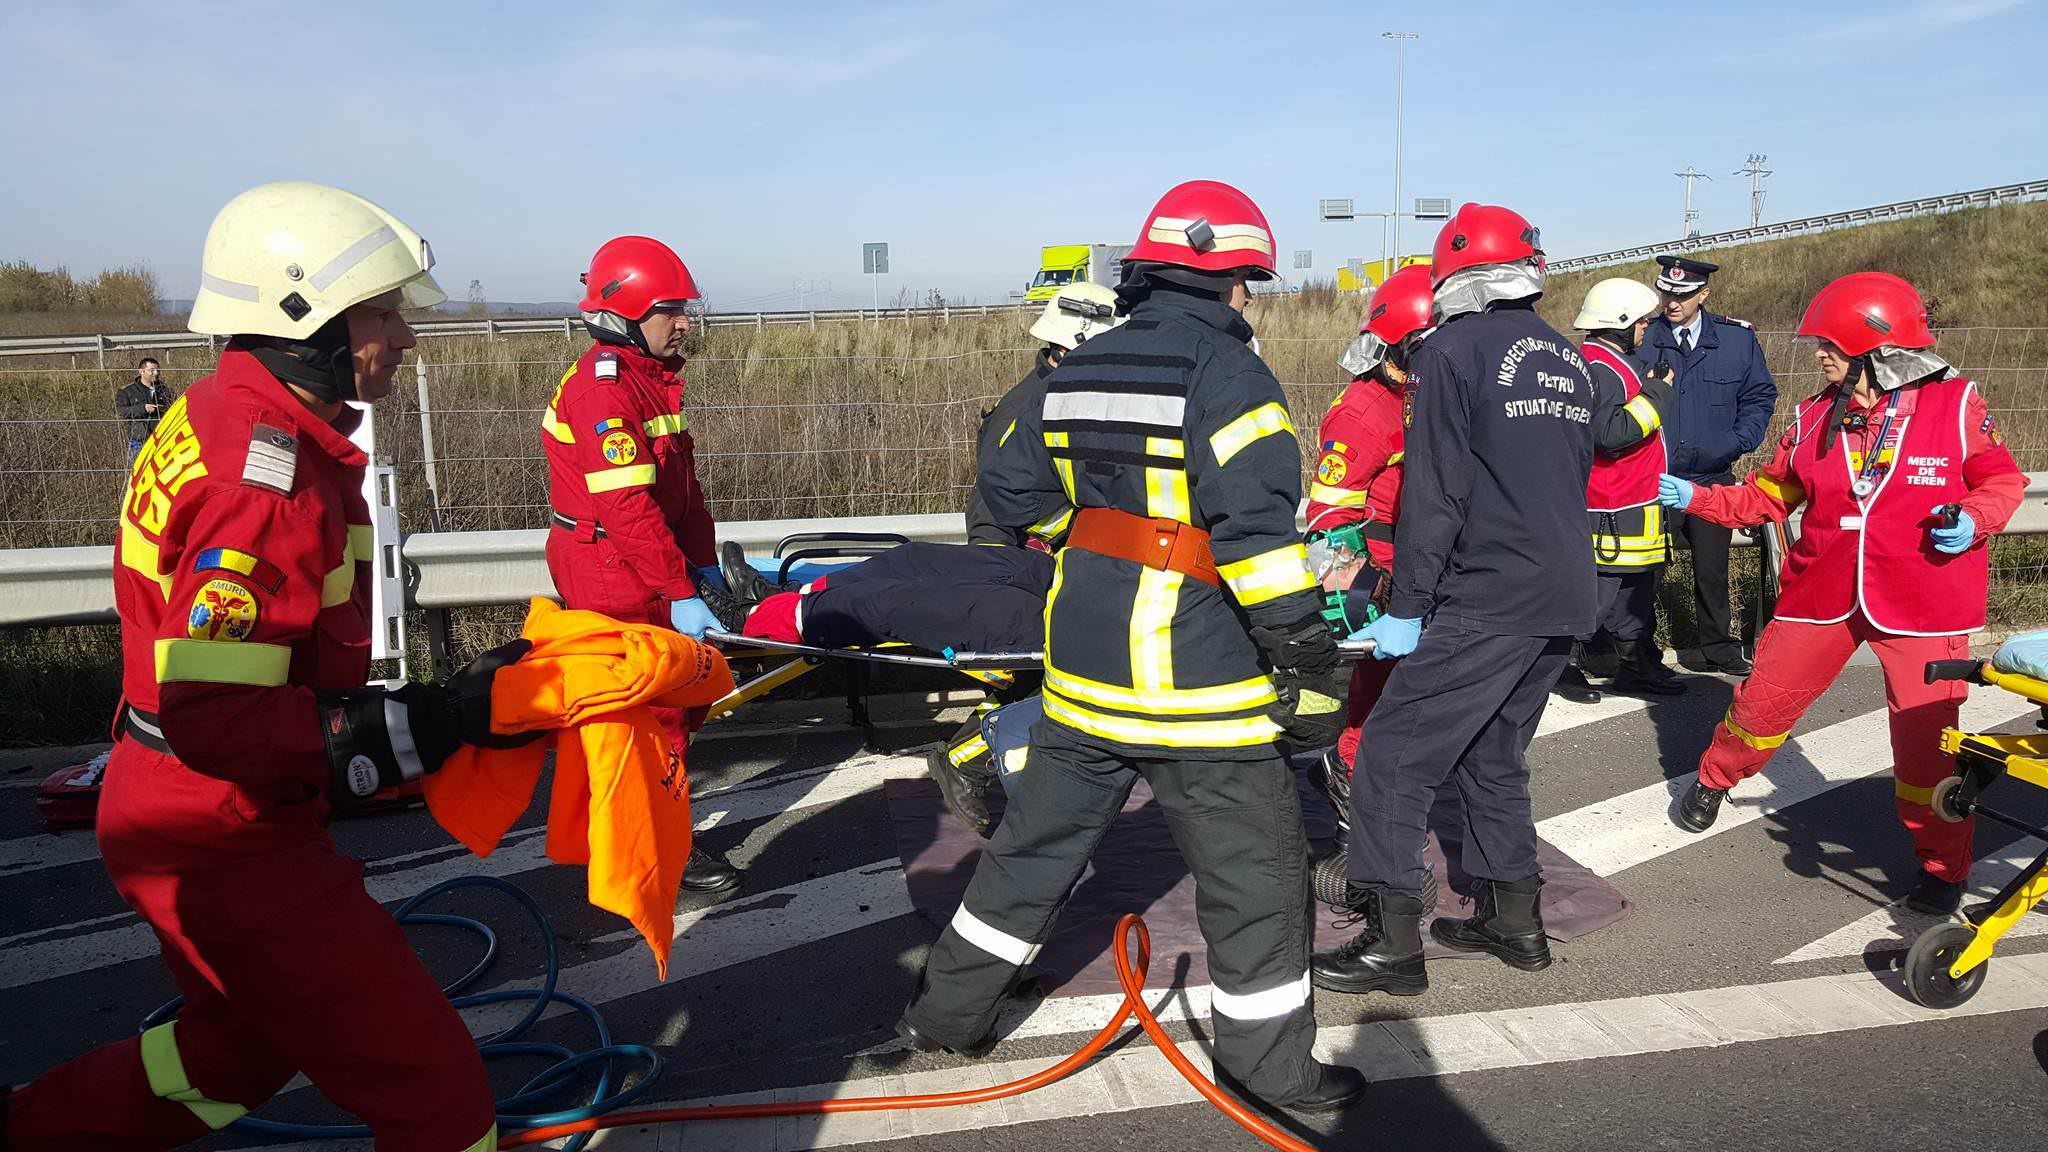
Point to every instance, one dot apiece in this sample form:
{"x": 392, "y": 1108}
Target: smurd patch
{"x": 619, "y": 448}
{"x": 223, "y": 610}
{"x": 1331, "y": 470}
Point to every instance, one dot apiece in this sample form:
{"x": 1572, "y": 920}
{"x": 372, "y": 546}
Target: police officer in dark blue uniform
{"x": 1491, "y": 553}
{"x": 1725, "y": 399}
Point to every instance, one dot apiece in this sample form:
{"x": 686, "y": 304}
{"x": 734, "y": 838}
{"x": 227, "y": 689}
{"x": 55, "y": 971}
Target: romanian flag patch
{"x": 260, "y": 572}
{"x": 611, "y": 425}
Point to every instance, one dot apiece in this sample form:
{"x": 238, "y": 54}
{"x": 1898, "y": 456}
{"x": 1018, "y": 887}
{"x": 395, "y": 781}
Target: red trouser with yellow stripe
{"x": 286, "y": 965}
{"x": 1796, "y": 662}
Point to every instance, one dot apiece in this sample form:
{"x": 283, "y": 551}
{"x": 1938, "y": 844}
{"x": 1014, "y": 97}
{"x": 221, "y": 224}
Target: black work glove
{"x": 1661, "y": 393}
{"x": 1310, "y": 677}
{"x": 378, "y": 739}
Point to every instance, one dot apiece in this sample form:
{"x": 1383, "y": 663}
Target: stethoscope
{"x": 1874, "y": 467}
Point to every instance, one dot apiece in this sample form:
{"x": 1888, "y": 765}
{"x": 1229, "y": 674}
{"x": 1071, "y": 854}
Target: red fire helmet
{"x": 1483, "y": 234}
{"x": 631, "y": 274}
{"x": 1208, "y": 225}
{"x": 1866, "y": 310}
{"x": 1401, "y": 306}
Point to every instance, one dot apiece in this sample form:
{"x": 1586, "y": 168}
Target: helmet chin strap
{"x": 323, "y": 364}
{"x": 1833, "y": 428}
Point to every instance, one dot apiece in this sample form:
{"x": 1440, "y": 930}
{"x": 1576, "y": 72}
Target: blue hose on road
{"x": 513, "y": 1113}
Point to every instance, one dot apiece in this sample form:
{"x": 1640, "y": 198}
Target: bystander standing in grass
{"x": 141, "y": 402}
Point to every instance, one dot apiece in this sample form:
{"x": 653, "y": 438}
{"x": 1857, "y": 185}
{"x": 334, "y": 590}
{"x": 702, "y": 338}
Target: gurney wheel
{"x": 1943, "y": 801}
{"x": 1928, "y": 963}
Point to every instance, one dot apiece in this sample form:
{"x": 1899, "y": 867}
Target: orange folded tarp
{"x": 621, "y": 802}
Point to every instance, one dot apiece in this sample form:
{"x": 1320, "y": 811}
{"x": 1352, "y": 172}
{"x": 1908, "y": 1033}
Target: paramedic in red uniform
{"x": 630, "y": 527}
{"x": 242, "y": 578}
{"x": 1904, "y": 478}
{"x": 1358, "y": 474}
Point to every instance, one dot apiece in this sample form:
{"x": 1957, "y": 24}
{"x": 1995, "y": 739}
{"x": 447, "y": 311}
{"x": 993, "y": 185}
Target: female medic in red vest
{"x": 1904, "y": 478}
{"x": 1358, "y": 483}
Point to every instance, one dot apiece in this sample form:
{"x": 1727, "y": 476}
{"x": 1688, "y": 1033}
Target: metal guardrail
{"x": 1926, "y": 206}
{"x": 571, "y": 327}
{"x": 447, "y": 570}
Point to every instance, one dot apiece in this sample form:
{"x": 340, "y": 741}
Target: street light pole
{"x": 1400, "y": 40}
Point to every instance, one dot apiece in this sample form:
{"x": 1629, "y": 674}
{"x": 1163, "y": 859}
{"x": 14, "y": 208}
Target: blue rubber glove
{"x": 691, "y": 617}
{"x": 1673, "y": 492}
{"x": 1956, "y": 540}
{"x": 1392, "y": 636}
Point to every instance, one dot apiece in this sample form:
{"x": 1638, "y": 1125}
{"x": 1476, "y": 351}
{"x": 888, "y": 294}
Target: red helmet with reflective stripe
{"x": 1208, "y": 225}
{"x": 1866, "y": 310}
{"x": 1483, "y": 234}
{"x": 1401, "y": 306}
{"x": 631, "y": 274}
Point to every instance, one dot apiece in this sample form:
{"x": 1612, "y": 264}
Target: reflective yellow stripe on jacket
{"x": 613, "y": 479}
{"x": 1269, "y": 574}
{"x": 1241, "y": 433}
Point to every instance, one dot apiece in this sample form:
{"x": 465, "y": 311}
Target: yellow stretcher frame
{"x": 1948, "y": 962}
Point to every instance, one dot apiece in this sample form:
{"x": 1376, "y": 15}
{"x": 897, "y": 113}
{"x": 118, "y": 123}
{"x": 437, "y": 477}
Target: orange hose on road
{"x": 1131, "y": 977}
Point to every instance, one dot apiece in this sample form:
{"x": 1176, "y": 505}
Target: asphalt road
{"x": 1749, "y": 999}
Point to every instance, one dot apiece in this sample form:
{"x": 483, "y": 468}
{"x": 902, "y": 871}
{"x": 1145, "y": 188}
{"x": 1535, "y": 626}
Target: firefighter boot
{"x": 1337, "y": 1087}
{"x": 1935, "y": 896}
{"x": 1508, "y": 923}
{"x": 745, "y": 581}
{"x": 727, "y": 609}
{"x": 964, "y": 782}
{"x": 1641, "y": 675}
{"x": 1386, "y": 956}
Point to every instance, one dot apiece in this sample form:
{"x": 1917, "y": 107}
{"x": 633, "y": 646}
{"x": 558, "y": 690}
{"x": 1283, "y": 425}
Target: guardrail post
{"x": 568, "y": 330}
{"x": 490, "y": 328}
{"x": 814, "y": 318}
{"x": 760, "y": 320}
{"x": 102, "y": 344}
{"x": 419, "y": 369}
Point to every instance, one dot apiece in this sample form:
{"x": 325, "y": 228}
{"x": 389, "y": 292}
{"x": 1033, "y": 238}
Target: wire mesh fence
{"x": 814, "y": 428}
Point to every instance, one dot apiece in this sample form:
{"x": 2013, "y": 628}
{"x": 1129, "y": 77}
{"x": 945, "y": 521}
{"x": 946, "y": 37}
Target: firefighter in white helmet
{"x": 242, "y": 579}
{"x": 1631, "y": 540}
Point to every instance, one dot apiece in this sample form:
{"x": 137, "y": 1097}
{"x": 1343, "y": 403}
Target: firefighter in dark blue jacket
{"x": 1184, "y": 639}
{"x": 1493, "y": 577}
{"x": 1725, "y": 399}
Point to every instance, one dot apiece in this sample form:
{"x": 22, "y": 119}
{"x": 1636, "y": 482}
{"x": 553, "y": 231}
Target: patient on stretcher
{"x": 987, "y": 598}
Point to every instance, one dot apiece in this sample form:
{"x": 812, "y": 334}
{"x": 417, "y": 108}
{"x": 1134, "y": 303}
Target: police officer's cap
{"x": 1683, "y": 276}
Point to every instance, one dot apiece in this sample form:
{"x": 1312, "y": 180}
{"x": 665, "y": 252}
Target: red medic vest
{"x": 1628, "y": 479}
{"x": 1875, "y": 551}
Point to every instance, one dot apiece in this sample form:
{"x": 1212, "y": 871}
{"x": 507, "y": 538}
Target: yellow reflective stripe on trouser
{"x": 1913, "y": 793}
{"x": 222, "y": 662}
{"x": 489, "y": 1143}
{"x": 613, "y": 479}
{"x": 1152, "y": 615}
{"x": 1256, "y": 692}
{"x": 667, "y": 424}
{"x": 139, "y": 553}
{"x": 167, "y": 1079}
{"x": 1269, "y": 574}
{"x": 1760, "y": 743}
{"x": 971, "y": 749}
{"x": 1237, "y": 435}
{"x": 1061, "y": 465}
{"x": 1644, "y": 414}
{"x": 1323, "y": 493}
{"x": 1785, "y": 492}
{"x": 1166, "y": 489}
{"x": 993, "y": 940}
{"x": 1242, "y": 733}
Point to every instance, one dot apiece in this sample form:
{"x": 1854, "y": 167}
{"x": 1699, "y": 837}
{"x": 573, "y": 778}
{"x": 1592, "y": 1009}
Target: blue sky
{"x": 767, "y": 141}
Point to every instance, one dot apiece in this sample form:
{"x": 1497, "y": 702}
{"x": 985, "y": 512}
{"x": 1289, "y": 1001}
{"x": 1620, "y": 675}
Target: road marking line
{"x": 523, "y": 851}
{"x": 1617, "y": 834}
{"x": 745, "y": 929}
{"x": 1894, "y": 927}
{"x": 1561, "y": 715}
{"x": 1140, "y": 1078}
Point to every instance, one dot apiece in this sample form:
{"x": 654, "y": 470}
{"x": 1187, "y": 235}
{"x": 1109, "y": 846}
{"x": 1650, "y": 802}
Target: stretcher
{"x": 822, "y": 553}
{"x": 1948, "y": 962}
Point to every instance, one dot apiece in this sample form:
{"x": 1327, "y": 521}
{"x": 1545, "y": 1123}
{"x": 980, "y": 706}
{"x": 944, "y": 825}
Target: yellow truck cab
{"x": 1062, "y": 264}
{"x": 1375, "y": 273}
